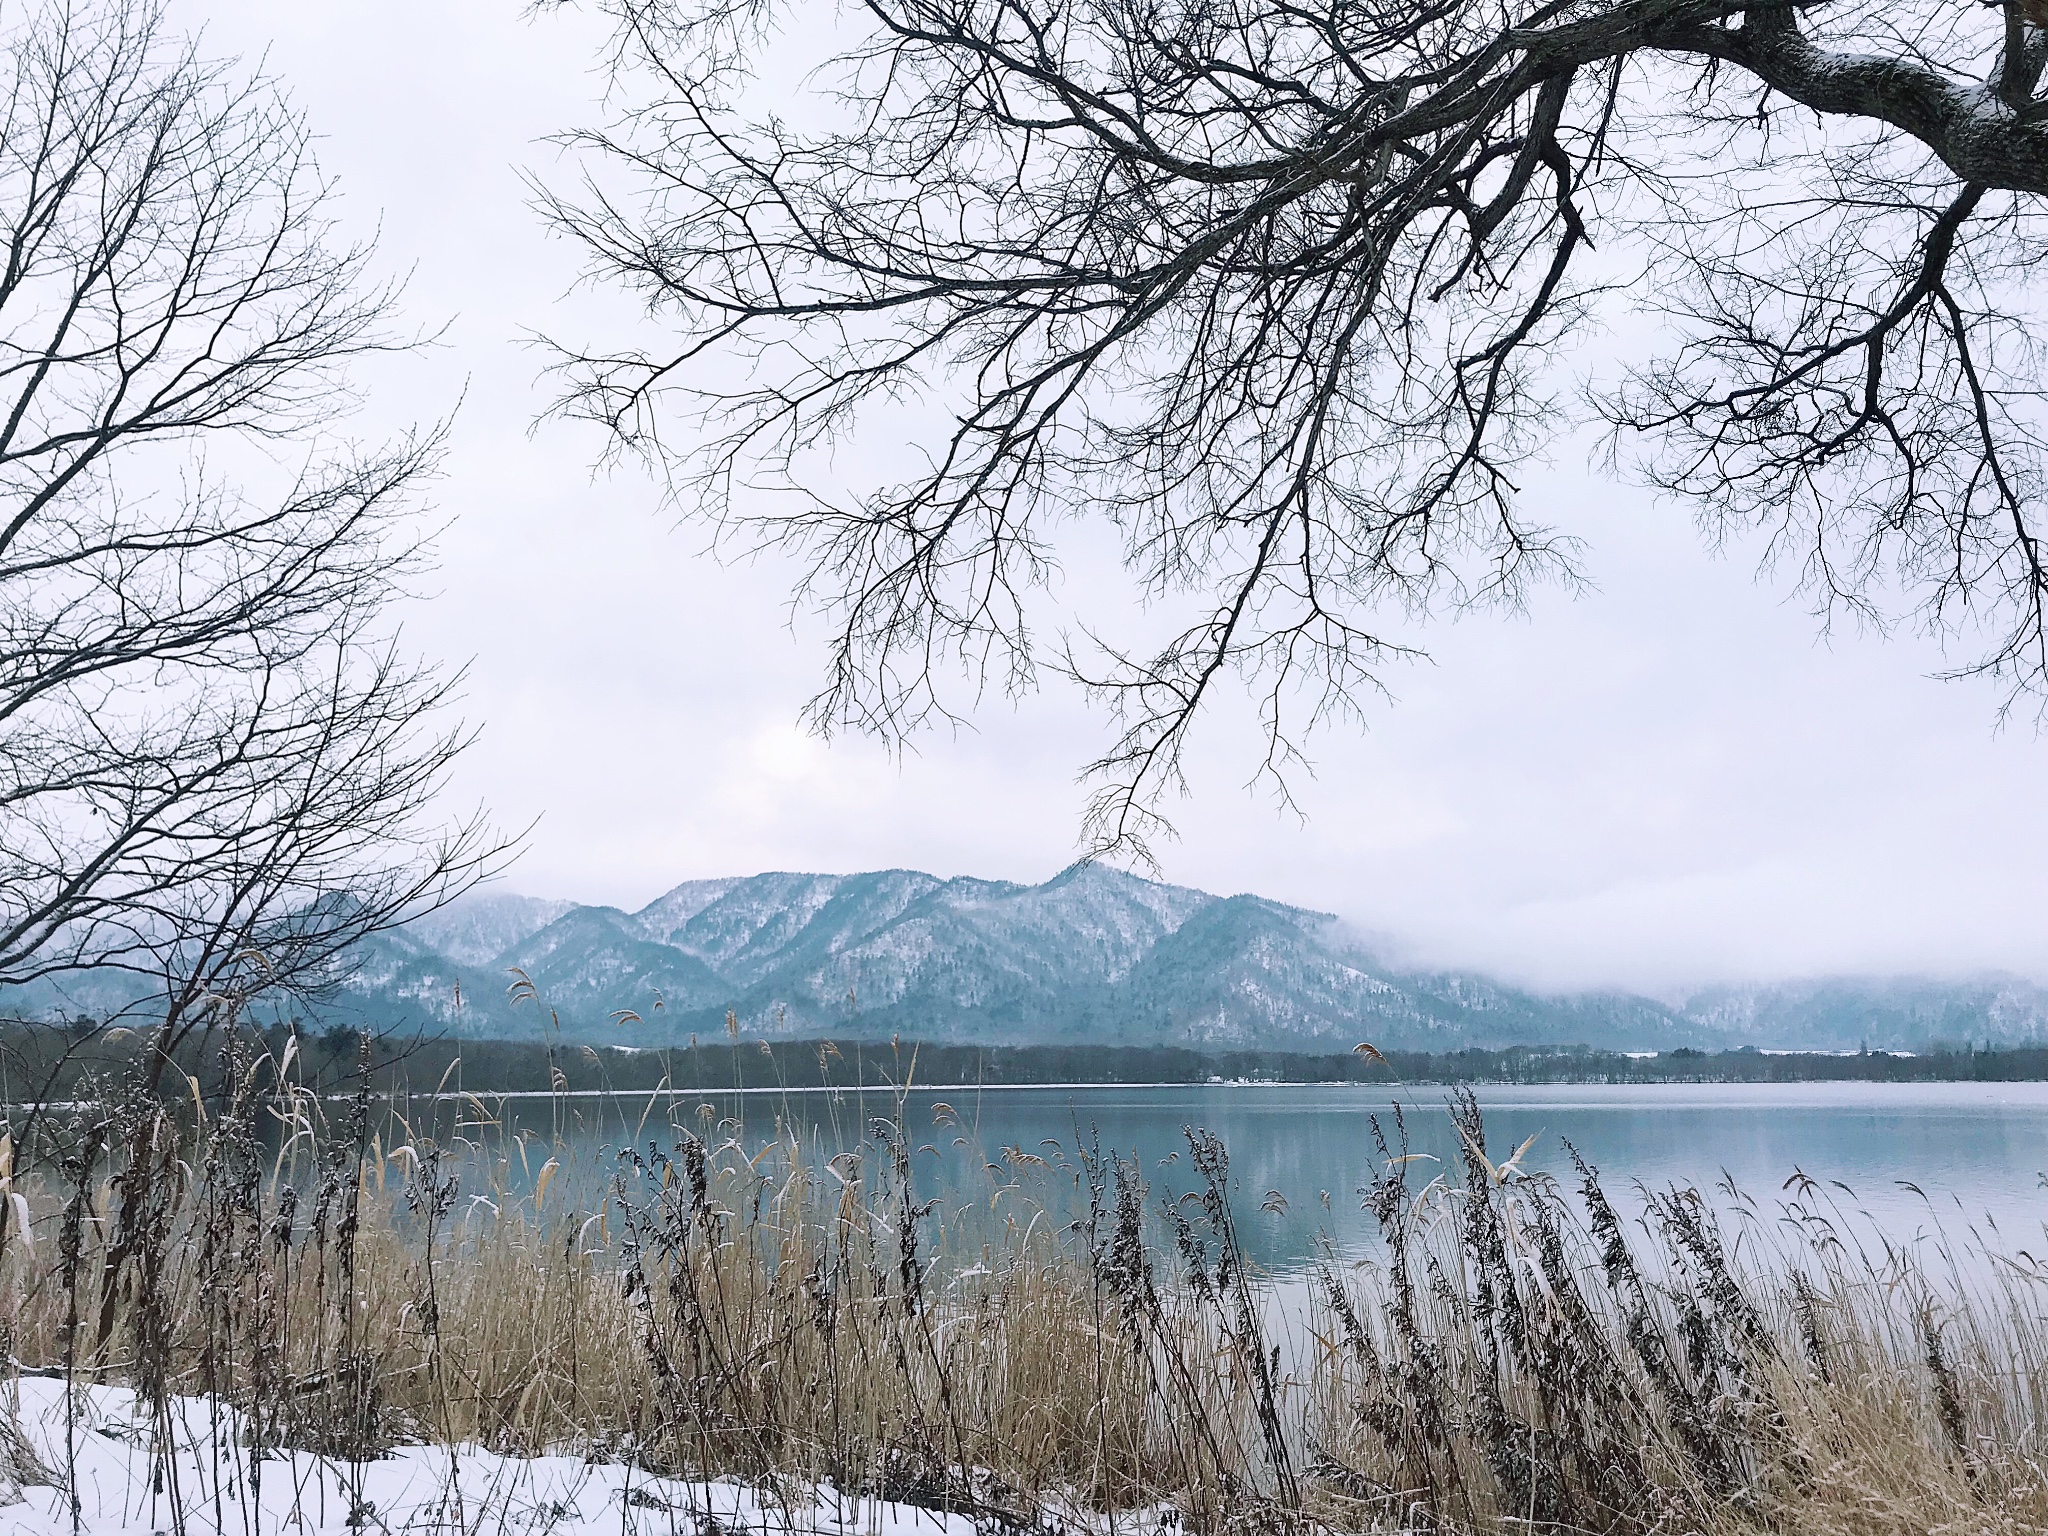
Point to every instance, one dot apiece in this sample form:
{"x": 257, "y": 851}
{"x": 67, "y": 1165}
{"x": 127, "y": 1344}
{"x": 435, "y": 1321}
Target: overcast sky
{"x": 1670, "y": 779}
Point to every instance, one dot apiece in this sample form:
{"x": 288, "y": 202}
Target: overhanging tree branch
{"x": 1277, "y": 294}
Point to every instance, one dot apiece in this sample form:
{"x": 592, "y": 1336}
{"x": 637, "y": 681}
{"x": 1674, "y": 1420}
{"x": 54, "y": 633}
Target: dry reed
{"x": 1514, "y": 1355}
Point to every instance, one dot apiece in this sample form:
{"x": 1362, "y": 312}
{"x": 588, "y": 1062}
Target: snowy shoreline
{"x": 213, "y": 1484}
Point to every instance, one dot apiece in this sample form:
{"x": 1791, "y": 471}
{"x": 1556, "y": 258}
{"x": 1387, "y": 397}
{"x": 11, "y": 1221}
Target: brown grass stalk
{"x": 720, "y": 1303}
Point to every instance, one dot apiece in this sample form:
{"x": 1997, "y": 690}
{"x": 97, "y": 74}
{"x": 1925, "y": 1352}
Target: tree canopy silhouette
{"x": 1283, "y": 292}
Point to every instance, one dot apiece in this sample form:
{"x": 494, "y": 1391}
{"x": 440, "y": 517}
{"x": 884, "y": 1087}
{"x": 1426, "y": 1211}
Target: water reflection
{"x": 1906, "y": 1157}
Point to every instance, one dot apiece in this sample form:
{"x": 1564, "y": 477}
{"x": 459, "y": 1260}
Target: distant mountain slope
{"x": 483, "y": 926}
{"x": 588, "y": 962}
{"x": 1845, "y": 1013}
{"x": 1093, "y": 955}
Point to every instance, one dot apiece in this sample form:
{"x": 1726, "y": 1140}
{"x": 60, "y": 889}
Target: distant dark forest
{"x": 41, "y": 1062}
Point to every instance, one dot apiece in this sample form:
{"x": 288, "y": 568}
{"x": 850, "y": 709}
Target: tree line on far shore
{"x": 47, "y": 1063}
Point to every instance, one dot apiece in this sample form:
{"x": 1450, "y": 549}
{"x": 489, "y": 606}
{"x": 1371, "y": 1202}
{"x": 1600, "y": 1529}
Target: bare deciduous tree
{"x": 1280, "y": 291}
{"x": 217, "y": 767}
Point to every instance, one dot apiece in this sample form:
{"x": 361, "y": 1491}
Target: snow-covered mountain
{"x": 478, "y": 929}
{"x": 1844, "y": 1012}
{"x": 1093, "y": 956}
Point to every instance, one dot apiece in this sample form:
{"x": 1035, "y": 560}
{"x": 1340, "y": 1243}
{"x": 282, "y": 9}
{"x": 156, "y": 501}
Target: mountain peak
{"x": 482, "y": 924}
{"x": 1095, "y": 954}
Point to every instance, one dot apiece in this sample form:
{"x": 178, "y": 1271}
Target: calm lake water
{"x": 1907, "y": 1160}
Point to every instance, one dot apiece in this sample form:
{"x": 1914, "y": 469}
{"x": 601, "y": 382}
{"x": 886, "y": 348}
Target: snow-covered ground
{"x": 219, "y": 1491}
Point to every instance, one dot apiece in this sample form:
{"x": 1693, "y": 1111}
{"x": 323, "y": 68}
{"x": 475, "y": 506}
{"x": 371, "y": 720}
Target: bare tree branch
{"x": 1277, "y": 292}
{"x": 218, "y": 769}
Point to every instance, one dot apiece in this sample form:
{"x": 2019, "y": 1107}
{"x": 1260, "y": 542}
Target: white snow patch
{"x": 221, "y": 1489}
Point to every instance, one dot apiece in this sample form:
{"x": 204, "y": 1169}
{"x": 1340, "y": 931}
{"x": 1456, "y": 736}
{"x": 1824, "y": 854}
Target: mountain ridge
{"x": 1093, "y": 954}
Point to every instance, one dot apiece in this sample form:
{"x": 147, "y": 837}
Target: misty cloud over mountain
{"x": 1092, "y": 956}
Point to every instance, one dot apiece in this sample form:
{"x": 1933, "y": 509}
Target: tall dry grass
{"x": 1518, "y": 1354}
